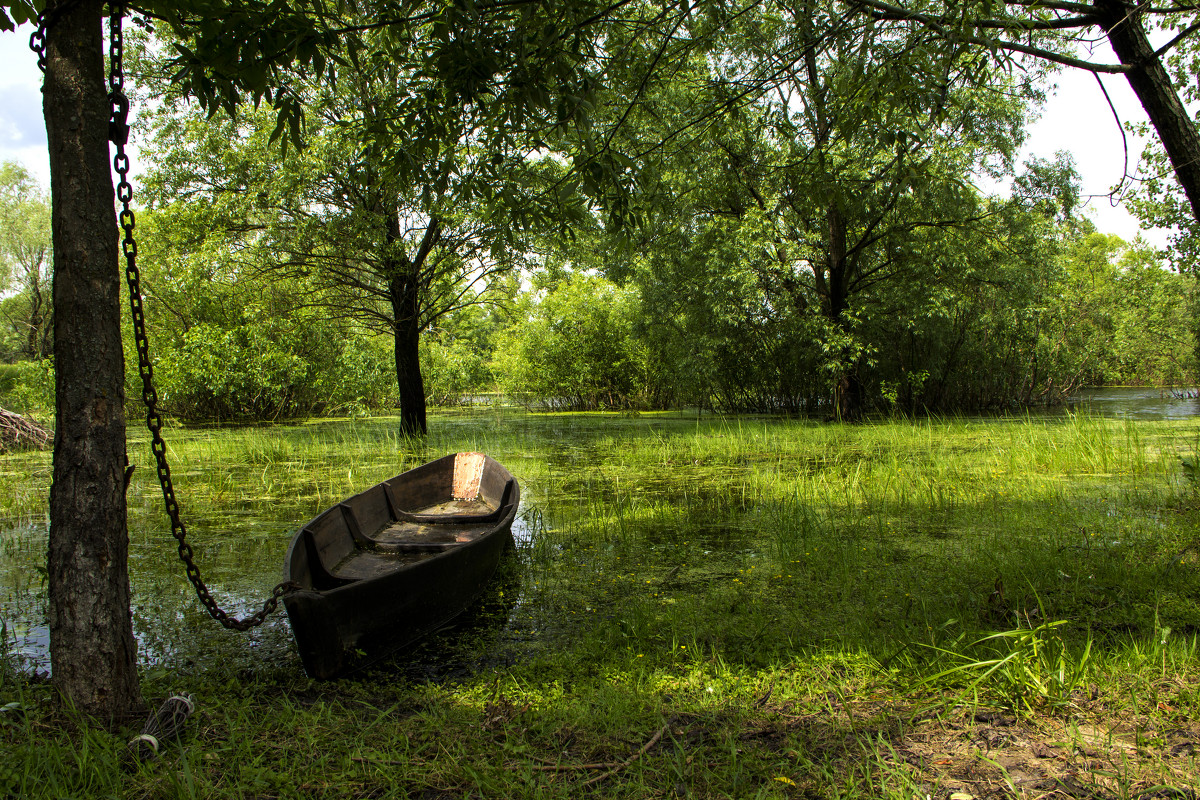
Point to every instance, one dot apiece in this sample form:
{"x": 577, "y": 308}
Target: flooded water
{"x": 593, "y": 524}
{"x": 244, "y": 492}
{"x": 1141, "y": 403}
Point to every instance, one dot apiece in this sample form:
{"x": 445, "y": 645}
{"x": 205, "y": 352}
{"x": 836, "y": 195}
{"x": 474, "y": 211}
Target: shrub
{"x": 577, "y": 348}
{"x": 27, "y": 386}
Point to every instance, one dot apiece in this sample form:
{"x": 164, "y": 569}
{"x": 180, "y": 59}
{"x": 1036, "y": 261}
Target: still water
{"x": 245, "y": 491}
{"x": 1141, "y": 403}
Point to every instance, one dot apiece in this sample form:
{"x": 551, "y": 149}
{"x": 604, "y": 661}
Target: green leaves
{"x": 1031, "y": 668}
{"x": 577, "y": 348}
{"x": 17, "y": 13}
{"x": 26, "y": 262}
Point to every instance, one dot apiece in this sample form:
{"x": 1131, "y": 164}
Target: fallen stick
{"x": 645, "y": 748}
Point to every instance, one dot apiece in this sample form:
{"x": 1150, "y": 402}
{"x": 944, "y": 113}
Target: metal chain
{"x": 45, "y": 19}
{"x": 118, "y": 134}
{"x": 37, "y": 39}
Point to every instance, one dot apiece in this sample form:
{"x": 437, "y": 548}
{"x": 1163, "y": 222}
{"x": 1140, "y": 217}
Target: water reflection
{"x": 1141, "y": 403}
{"x": 23, "y": 594}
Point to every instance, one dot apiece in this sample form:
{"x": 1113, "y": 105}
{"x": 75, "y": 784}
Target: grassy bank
{"x": 704, "y": 609}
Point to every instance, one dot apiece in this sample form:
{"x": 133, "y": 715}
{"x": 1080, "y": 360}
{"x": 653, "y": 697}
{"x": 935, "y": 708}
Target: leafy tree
{"x": 719, "y": 336}
{"x": 817, "y": 189}
{"x": 235, "y": 340}
{"x": 1005, "y": 330}
{"x": 395, "y": 249}
{"x": 1154, "y": 337}
{"x": 454, "y": 368}
{"x": 26, "y": 254}
{"x": 27, "y": 386}
{"x": 1159, "y": 201}
{"x": 1054, "y": 31}
{"x": 576, "y": 347}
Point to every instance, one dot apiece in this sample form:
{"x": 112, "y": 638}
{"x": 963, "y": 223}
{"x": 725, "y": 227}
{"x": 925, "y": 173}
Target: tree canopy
{"x": 758, "y": 206}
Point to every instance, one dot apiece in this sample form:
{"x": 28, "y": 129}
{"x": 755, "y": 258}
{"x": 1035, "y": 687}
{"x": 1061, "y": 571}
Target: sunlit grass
{"x": 903, "y": 525}
{"x": 787, "y": 601}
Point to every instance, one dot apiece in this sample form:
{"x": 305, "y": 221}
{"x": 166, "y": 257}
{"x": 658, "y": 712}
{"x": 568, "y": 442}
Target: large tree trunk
{"x": 834, "y": 286}
{"x": 92, "y": 649}
{"x": 1153, "y": 87}
{"x": 404, "y": 288}
{"x": 409, "y": 380}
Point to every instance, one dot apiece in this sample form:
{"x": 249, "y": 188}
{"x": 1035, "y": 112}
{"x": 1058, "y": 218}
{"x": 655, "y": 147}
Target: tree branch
{"x": 886, "y": 11}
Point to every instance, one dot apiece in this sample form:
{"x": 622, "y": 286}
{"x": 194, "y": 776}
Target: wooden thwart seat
{"x": 322, "y": 579}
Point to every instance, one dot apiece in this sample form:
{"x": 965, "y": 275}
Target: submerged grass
{"x": 715, "y": 608}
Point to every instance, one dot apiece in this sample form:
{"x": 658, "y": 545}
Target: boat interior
{"x": 444, "y": 504}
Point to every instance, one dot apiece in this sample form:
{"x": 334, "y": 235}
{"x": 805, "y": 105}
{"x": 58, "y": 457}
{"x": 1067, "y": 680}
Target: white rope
{"x": 167, "y": 721}
{"x": 186, "y": 699}
{"x": 145, "y": 737}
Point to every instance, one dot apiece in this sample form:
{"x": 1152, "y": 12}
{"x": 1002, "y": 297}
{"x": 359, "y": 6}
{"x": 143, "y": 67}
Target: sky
{"x": 1075, "y": 118}
{"x": 22, "y": 129}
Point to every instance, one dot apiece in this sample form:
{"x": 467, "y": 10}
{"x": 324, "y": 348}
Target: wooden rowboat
{"x": 393, "y": 563}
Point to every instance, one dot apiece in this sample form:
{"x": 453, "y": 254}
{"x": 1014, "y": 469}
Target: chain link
{"x": 119, "y": 135}
{"x": 45, "y": 20}
{"x": 37, "y": 40}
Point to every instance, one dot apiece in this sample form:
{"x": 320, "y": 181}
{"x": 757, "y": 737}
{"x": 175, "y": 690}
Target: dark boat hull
{"x": 405, "y": 573}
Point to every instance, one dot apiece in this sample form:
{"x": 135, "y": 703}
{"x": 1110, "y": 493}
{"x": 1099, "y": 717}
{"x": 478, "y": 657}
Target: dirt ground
{"x": 1094, "y": 748}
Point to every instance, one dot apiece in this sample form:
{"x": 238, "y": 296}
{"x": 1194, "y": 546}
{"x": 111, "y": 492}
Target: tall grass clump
{"x": 1027, "y": 668}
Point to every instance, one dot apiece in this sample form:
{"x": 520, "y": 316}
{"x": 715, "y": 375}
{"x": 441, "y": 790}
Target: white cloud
{"x": 22, "y": 127}
{"x": 21, "y": 122}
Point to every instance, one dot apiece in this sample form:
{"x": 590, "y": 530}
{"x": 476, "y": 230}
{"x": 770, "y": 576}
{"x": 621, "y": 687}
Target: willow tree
{"x": 26, "y": 253}
{"x": 395, "y": 234}
{"x": 1054, "y": 31}
{"x": 514, "y": 61}
{"x": 820, "y": 145}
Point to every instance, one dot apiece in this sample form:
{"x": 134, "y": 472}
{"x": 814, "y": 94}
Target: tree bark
{"x": 409, "y": 379}
{"x": 834, "y": 286}
{"x": 404, "y": 289}
{"x": 1153, "y": 87}
{"x": 34, "y": 336}
{"x": 92, "y": 649}
{"x": 848, "y": 391}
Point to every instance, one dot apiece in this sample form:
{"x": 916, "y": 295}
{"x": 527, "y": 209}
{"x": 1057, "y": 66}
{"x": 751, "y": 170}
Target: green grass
{"x": 779, "y": 609}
